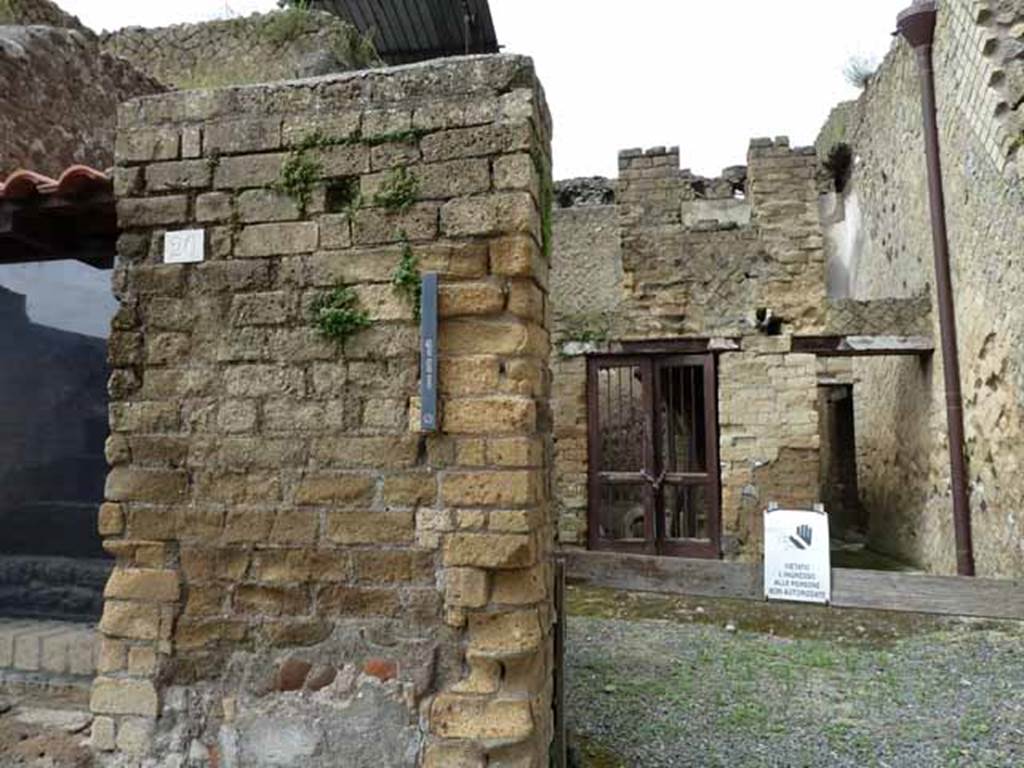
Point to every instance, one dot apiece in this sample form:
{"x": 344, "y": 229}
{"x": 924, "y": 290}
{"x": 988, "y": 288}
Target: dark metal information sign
{"x": 428, "y": 353}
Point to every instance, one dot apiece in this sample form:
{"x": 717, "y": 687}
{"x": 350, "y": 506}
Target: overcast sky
{"x": 704, "y": 76}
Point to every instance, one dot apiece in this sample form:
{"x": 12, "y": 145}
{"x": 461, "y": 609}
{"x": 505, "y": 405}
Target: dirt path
{"x": 44, "y": 730}
{"x": 658, "y": 681}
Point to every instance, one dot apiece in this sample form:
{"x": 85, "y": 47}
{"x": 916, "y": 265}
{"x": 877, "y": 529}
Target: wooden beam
{"x": 681, "y": 346}
{"x": 862, "y": 346}
{"x": 874, "y": 590}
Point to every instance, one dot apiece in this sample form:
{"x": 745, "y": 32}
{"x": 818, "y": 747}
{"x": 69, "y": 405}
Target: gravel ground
{"x": 788, "y": 686}
{"x": 44, "y": 728}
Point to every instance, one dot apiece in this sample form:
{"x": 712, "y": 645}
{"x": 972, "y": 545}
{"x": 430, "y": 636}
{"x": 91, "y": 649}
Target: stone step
{"x": 48, "y": 648}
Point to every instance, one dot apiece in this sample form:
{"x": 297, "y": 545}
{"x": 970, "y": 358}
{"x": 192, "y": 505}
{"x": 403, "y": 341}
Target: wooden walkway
{"x": 877, "y": 590}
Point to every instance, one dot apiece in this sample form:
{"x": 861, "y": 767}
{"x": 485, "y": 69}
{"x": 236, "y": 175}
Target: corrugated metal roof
{"x": 415, "y": 30}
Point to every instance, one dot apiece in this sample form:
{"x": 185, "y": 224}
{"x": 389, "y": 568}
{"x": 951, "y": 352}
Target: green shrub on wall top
{"x": 286, "y": 25}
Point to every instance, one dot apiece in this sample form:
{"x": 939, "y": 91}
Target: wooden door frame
{"x": 654, "y": 542}
{"x": 594, "y": 540}
{"x": 710, "y": 478}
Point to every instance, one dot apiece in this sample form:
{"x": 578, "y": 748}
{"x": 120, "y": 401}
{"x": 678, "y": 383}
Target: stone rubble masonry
{"x": 302, "y": 576}
{"x": 37, "y": 13}
{"x": 980, "y": 89}
{"x": 44, "y": 125}
{"x": 258, "y": 48}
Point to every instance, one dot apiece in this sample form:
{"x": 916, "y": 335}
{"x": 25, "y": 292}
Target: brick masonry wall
{"x": 705, "y": 278}
{"x": 302, "y": 577}
{"x": 904, "y": 473}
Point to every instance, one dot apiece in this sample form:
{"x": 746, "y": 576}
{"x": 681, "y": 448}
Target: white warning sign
{"x": 797, "y": 563}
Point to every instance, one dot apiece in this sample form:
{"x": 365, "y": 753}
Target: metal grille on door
{"x": 653, "y": 454}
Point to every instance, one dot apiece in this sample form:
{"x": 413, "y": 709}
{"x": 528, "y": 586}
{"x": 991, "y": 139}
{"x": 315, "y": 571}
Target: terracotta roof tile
{"x": 75, "y": 181}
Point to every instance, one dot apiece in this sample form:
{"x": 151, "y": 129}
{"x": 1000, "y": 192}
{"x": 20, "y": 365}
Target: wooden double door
{"x": 653, "y": 484}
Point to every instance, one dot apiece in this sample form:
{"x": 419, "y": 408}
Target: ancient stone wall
{"x": 586, "y": 290}
{"x": 586, "y": 282}
{"x": 904, "y": 472}
{"x": 261, "y": 48}
{"x": 303, "y": 577}
{"x": 60, "y": 97}
{"x": 37, "y": 12}
{"x": 699, "y": 258}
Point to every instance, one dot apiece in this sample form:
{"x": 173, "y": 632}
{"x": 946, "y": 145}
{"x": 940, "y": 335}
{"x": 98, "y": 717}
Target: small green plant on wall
{"x": 300, "y": 172}
{"x": 399, "y": 190}
{"x": 590, "y": 328}
{"x": 547, "y": 201}
{"x": 336, "y": 314}
{"x": 406, "y": 278}
{"x": 860, "y": 71}
{"x": 1017, "y": 143}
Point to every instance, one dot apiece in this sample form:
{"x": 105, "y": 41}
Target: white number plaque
{"x": 184, "y": 246}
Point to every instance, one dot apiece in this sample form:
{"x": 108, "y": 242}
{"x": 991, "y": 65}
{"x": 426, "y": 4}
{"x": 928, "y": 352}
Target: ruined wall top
{"x": 662, "y": 164}
{"x": 280, "y": 45}
{"x": 46, "y": 125}
{"x": 37, "y": 12}
{"x": 465, "y": 79}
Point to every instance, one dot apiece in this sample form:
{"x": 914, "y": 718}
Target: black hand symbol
{"x": 805, "y": 533}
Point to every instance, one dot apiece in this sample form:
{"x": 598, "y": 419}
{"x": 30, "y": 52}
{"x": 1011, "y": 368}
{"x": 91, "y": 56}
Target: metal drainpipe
{"x": 917, "y": 25}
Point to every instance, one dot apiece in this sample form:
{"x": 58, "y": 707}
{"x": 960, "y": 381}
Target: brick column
{"x": 302, "y": 575}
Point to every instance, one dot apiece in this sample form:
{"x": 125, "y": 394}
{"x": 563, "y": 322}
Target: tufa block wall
{"x": 698, "y": 259}
{"x": 302, "y": 577}
{"x": 980, "y": 85}
{"x": 708, "y": 278}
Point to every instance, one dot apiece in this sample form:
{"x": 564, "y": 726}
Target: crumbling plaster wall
{"x": 261, "y": 48}
{"x": 303, "y": 577}
{"x": 901, "y": 423}
{"x": 697, "y": 262}
{"x": 586, "y": 290}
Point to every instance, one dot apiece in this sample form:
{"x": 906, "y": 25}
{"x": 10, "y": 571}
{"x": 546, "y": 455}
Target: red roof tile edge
{"x": 75, "y": 181}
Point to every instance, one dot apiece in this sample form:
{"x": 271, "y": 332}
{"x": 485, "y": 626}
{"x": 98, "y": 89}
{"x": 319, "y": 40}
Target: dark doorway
{"x": 53, "y": 425}
{"x": 839, "y": 462}
{"x": 653, "y": 454}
